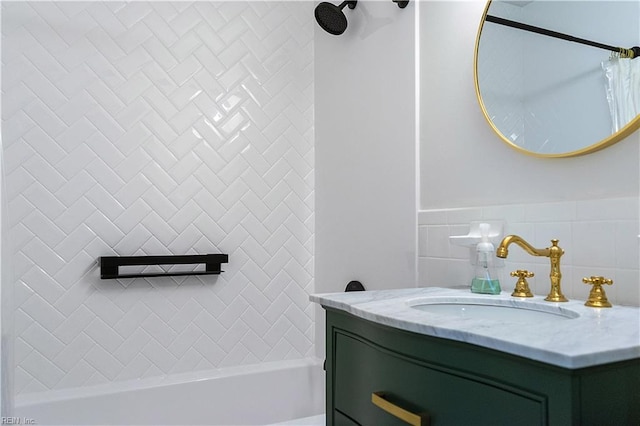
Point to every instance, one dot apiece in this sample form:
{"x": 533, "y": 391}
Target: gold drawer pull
{"x": 422, "y": 419}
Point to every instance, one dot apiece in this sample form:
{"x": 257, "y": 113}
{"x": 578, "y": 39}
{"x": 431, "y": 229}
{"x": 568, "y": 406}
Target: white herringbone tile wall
{"x": 157, "y": 128}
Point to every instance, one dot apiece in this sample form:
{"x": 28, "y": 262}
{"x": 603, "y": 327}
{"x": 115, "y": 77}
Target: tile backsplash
{"x": 157, "y": 128}
{"x": 600, "y": 237}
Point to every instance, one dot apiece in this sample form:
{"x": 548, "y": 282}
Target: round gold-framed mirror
{"x": 553, "y": 97}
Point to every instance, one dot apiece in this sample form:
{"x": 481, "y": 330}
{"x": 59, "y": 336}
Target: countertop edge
{"x": 364, "y": 306}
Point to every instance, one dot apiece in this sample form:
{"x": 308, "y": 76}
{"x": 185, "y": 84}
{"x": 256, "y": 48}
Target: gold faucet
{"x": 553, "y": 253}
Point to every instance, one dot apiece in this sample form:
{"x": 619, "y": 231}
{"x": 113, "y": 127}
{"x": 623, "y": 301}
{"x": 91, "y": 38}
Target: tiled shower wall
{"x": 599, "y": 237}
{"x": 157, "y": 128}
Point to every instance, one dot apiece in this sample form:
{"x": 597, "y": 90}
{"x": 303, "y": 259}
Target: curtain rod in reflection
{"x": 631, "y": 53}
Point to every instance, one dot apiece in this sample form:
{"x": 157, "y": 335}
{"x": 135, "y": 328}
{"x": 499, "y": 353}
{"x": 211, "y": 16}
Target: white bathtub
{"x": 250, "y": 395}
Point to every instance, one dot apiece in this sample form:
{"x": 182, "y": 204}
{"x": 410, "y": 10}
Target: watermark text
{"x": 17, "y": 421}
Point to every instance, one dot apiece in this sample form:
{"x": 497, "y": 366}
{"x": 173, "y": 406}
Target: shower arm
{"x": 350, "y": 4}
{"x": 401, "y": 4}
{"x": 630, "y": 53}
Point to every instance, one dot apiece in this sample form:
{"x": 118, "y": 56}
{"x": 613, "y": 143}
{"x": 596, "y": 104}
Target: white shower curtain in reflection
{"x": 623, "y": 90}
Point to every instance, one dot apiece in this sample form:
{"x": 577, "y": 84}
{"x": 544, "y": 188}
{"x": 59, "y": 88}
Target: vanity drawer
{"x": 449, "y": 397}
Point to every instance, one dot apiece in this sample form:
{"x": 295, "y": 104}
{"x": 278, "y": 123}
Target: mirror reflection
{"x": 564, "y": 79}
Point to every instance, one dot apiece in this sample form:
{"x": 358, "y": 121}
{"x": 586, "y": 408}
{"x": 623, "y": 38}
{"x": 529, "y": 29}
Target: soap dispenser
{"x": 485, "y": 279}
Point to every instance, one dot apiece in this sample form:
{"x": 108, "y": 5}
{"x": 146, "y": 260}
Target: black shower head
{"x": 331, "y": 18}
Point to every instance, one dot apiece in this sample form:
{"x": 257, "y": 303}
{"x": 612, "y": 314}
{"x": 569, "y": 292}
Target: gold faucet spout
{"x": 503, "y": 248}
{"x": 553, "y": 253}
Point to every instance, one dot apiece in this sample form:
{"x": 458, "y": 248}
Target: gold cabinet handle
{"x": 422, "y": 419}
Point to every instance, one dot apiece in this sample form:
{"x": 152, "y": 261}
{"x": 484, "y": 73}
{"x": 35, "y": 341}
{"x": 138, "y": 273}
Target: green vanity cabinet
{"x": 457, "y": 383}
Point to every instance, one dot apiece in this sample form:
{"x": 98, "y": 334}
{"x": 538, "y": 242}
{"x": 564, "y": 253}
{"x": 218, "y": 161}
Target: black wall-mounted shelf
{"x": 109, "y": 265}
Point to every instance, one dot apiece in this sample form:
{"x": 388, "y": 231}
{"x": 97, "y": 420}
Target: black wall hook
{"x": 354, "y": 286}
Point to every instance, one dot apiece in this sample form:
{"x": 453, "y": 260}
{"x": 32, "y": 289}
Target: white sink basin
{"x": 498, "y": 309}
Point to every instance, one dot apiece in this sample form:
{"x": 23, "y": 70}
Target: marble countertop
{"x": 596, "y": 336}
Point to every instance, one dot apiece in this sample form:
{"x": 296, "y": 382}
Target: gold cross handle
{"x": 522, "y": 286}
{"x": 597, "y": 296}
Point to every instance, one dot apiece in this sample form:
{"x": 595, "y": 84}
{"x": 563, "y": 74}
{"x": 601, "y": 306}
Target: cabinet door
{"x": 449, "y": 397}
{"x": 340, "y": 419}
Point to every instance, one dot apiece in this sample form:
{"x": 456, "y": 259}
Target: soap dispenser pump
{"x": 485, "y": 278}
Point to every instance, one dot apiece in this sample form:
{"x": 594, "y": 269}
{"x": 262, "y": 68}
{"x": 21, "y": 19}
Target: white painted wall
{"x": 6, "y": 395}
{"x": 480, "y": 169}
{"x": 4, "y": 331}
{"x": 365, "y": 151}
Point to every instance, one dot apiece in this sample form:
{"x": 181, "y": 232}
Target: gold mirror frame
{"x": 627, "y": 130}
